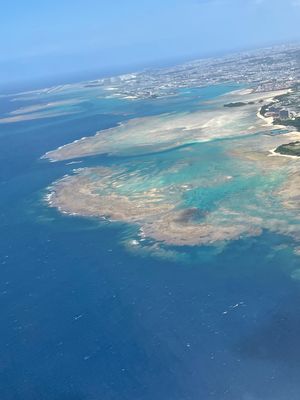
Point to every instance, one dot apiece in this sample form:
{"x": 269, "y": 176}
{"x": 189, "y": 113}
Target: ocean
{"x": 83, "y": 318}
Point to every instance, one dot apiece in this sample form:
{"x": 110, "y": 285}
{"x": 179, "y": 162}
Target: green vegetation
{"x": 236, "y": 104}
{"x": 282, "y": 97}
{"x": 289, "y": 122}
{"x": 239, "y": 104}
{"x": 264, "y": 109}
{"x": 290, "y": 149}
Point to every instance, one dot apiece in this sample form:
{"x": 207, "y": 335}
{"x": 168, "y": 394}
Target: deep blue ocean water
{"x": 83, "y": 319}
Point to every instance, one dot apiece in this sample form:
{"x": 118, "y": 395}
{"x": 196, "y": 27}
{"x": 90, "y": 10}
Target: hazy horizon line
{"x": 17, "y": 86}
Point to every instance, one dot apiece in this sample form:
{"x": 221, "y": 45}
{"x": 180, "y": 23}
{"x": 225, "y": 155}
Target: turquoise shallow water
{"x": 83, "y": 318}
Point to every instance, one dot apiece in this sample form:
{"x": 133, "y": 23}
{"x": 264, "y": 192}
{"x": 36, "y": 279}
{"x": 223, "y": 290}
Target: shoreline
{"x": 273, "y": 153}
{"x": 270, "y": 122}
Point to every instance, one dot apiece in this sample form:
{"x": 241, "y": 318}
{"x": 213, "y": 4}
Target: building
{"x": 284, "y": 114}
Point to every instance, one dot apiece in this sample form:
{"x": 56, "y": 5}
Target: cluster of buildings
{"x": 278, "y": 112}
{"x": 285, "y": 107}
{"x": 264, "y": 70}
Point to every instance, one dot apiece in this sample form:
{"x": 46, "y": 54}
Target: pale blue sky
{"x": 68, "y": 37}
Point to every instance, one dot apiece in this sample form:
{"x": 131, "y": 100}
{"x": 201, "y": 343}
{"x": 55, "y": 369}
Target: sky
{"x": 69, "y": 38}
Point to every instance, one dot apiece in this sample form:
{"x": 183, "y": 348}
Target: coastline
{"x": 273, "y": 153}
{"x": 270, "y": 122}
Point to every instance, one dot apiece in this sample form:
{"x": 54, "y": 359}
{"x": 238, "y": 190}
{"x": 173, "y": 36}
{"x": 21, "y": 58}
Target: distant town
{"x": 263, "y": 70}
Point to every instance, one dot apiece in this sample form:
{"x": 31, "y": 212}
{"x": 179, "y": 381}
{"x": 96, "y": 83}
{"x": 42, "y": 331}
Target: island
{"x": 290, "y": 149}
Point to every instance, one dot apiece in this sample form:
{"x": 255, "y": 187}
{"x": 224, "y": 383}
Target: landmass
{"x": 284, "y": 111}
{"x": 238, "y": 104}
{"x": 264, "y": 70}
{"x": 289, "y": 149}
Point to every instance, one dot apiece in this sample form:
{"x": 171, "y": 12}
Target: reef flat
{"x": 156, "y": 211}
{"x": 167, "y": 131}
{"x": 220, "y": 186}
{"x": 40, "y": 111}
